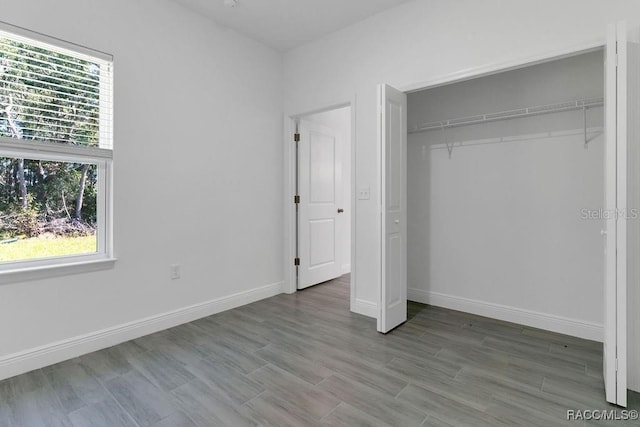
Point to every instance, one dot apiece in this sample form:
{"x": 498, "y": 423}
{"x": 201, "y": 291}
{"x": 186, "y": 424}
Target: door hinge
{"x": 296, "y": 137}
{"x": 296, "y": 262}
{"x": 296, "y": 199}
{"x": 616, "y": 365}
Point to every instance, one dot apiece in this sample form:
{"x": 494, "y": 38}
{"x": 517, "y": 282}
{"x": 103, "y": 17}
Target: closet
{"x": 505, "y": 195}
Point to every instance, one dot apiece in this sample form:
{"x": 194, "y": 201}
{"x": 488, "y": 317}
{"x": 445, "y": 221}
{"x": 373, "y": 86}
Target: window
{"x": 56, "y": 151}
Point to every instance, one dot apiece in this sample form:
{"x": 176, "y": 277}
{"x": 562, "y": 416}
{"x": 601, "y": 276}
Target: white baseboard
{"x": 562, "y": 325}
{"x": 25, "y": 361}
{"x": 346, "y": 269}
{"x": 366, "y": 308}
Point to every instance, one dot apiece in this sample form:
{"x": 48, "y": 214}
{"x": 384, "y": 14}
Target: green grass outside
{"x": 47, "y": 246}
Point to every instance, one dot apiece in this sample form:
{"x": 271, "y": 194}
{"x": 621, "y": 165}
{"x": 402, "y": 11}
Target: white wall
{"x": 198, "y": 176}
{"x": 423, "y": 41}
{"x": 498, "y": 228}
{"x": 340, "y": 120}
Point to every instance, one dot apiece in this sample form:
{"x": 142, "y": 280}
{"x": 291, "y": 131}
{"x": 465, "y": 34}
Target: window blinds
{"x": 52, "y": 94}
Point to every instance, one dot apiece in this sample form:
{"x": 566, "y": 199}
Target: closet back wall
{"x": 497, "y": 229}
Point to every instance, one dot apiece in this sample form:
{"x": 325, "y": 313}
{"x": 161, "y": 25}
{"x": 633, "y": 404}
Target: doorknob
{"x": 340, "y": 210}
{"x": 397, "y": 221}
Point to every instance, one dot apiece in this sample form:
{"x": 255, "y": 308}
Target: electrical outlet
{"x": 175, "y": 272}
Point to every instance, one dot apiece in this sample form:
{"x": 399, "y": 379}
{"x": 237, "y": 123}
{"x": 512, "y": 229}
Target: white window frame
{"x": 101, "y": 156}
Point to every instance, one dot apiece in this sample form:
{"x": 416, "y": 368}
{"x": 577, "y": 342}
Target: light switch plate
{"x": 364, "y": 193}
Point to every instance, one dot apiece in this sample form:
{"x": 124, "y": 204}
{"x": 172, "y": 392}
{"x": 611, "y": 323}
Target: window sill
{"x": 55, "y": 270}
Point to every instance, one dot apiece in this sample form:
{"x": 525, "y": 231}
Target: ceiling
{"x": 286, "y": 24}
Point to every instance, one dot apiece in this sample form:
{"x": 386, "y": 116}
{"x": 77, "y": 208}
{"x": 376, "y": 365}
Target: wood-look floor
{"x": 304, "y": 360}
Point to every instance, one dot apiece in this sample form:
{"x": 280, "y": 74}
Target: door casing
{"x": 290, "y": 283}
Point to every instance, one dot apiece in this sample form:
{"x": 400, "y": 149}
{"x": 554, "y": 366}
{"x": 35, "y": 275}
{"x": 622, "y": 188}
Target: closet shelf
{"x": 503, "y": 115}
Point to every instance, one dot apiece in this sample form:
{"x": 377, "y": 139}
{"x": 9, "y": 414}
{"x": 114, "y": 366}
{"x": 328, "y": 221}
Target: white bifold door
{"x": 392, "y": 143}
{"x": 320, "y": 190}
{"x": 621, "y": 199}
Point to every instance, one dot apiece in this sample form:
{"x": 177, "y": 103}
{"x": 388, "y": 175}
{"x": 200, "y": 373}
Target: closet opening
{"x": 505, "y": 195}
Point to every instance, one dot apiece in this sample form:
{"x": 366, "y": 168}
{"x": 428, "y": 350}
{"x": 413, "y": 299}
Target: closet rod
{"x": 503, "y": 115}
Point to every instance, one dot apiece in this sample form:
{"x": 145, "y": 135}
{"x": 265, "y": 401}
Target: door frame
{"x": 477, "y": 72}
{"x": 290, "y": 182}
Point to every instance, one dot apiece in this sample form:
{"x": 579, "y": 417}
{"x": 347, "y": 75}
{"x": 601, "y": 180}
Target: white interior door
{"x": 622, "y": 138}
{"x": 392, "y": 140}
{"x": 632, "y": 66}
{"x": 320, "y": 190}
{"x": 609, "y": 232}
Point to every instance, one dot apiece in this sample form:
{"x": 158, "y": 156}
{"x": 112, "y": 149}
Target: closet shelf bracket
{"x": 584, "y": 115}
{"x": 449, "y": 146}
